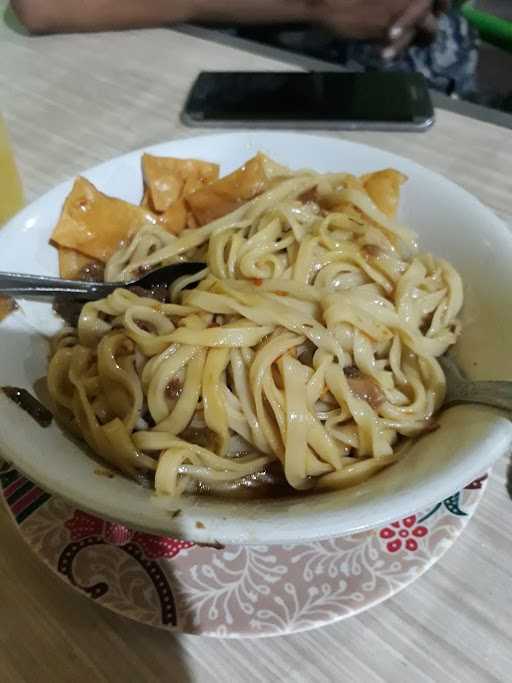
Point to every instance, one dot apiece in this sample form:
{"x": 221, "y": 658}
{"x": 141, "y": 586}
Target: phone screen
{"x": 316, "y": 96}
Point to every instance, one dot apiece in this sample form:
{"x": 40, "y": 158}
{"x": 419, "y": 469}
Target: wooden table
{"x": 72, "y": 101}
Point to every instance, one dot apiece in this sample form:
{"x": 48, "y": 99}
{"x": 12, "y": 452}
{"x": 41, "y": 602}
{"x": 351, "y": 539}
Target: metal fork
{"x": 41, "y": 286}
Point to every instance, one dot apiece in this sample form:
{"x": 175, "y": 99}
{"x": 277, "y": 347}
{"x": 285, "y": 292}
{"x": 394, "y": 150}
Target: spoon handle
{"x": 40, "y": 285}
{"x": 494, "y": 394}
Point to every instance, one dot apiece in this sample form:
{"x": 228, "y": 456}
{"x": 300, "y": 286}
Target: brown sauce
{"x": 352, "y": 371}
{"x": 174, "y": 389}
{"x": 158, "y": 292}
{"x": 270, "y": 483}
{"x": 364, "y": 387}
{"x": 308, "y": 196}
{"x": 69, "y": 311}
{"x": 372, "y": 251}
{"x": 92, "y": 272}
{"x": 143, "y": 325}
{"x": 203, "y": 437}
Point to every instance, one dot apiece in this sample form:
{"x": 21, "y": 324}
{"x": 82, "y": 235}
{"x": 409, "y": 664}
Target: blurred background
{"x": 494, "y": 73}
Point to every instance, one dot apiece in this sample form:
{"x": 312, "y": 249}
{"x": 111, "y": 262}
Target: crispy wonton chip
{"x": 75, "y": 266}
{"x": 228, "y": 193}
{"x": 94, "y": 224}
{"x": 176, "y": 218}
{"x": 7, "y": 306}
{"x": 168, "y": 179}
{"x": 384, "y": 188}
{"x": 145, "y": 201}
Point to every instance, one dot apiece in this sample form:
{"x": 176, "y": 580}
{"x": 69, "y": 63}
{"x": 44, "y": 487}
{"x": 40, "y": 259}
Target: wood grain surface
{"x": 73, "y": 101}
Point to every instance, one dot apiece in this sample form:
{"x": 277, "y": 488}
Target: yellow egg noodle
{"x": 308, "y": 343}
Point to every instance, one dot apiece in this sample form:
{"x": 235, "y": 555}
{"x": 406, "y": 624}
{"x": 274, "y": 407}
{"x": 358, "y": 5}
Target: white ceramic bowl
{"x": 449, "y": 221}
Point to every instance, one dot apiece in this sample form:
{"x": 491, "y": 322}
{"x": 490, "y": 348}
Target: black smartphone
{"x": 320, "y": 99}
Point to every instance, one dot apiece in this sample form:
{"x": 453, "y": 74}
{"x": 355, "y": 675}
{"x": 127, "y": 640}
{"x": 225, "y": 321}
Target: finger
{"x": 441, "y": 7}
{"x": 398, "y": 45}
{"x": 412, "y": 15}
{"x": 427, "y": 30}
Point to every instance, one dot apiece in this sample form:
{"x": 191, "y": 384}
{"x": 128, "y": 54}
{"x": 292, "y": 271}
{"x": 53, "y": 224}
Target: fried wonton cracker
{"x": 7, "y": 306}
{"x": 168, "y": 179}
{"x": 226, "y": 194}
{"x": 384, "y": 188}
{"x": 94, "y": 224}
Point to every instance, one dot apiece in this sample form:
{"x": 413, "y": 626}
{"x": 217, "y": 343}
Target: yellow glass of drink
{"x": 11, "y": 192}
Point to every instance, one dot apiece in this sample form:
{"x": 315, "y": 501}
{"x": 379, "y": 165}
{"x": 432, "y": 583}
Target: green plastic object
{"x": 492, "y": 29}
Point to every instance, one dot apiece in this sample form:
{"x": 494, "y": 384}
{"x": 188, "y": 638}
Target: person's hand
{"x": 395, "y": 23}
{"x": 418, "y": 24}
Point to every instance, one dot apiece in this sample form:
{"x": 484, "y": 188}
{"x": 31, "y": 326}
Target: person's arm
{"x": 52, "y": 16}
{"x": 395, "y": 22}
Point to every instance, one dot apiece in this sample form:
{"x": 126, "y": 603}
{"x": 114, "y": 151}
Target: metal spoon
{"x": 40, "y": 285}
{"x": 461, "y": 390}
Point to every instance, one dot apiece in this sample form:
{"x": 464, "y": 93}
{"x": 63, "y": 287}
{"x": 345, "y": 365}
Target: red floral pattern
{"x": 82, "y": 525}
{"x": 404, "y": 533}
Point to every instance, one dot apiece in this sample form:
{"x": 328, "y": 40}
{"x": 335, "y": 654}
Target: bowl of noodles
{"x": 290, "y": 389}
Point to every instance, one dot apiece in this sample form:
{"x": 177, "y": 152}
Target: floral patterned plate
{"x": 233, "y": 591}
